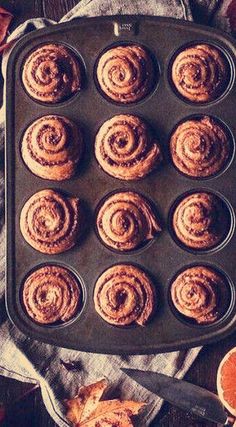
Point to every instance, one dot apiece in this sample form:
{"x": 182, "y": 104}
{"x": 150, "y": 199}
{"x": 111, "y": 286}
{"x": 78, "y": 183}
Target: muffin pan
{"x": 162, "y": 258}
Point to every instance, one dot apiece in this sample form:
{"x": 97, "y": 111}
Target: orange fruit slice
{"x": 226, "y": 381}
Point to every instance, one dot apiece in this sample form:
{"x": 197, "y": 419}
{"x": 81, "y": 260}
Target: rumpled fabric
{"x": 31, "y": 361}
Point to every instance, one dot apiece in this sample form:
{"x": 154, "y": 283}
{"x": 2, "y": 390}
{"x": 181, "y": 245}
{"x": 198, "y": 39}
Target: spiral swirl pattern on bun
{"x": 52, "y": 147}
{"x": 200, "y": 73}
{"x": 200, "y": 148}
{"x": 51, "y": 223}
{"x": 124, "y": 294}
{"x": 126, "y": 73}
{"x": 126, "y": 149}
{"x": 195, "y": 294}
{"x": 51, "y": 73}
{"x": 51, "y": 294}
{"x": 201, "y": 220}
{"x": 126, "y": 220}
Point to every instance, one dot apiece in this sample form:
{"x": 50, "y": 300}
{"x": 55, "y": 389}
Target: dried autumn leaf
{"x": 111, "y": 419}
{"x": 5, "y": 45}
{"x": 86, "y": 409}
{"x": 114, "y": 413}
{"x": 5, "y": 20}
{"x": 85, "y": 402}
{"x": 128, "y": 407}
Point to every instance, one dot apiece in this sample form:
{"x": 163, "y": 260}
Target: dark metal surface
{"x": 182, "y": 394}
{"x": 163, "y": 258}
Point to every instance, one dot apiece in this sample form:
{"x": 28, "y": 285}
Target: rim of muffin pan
{"x": 156, "y": 77}
{"x": 230, "y": 69}
{"x": 146, "y": 245}
{"x": 80, "y": 307}
{"x": 230, "y": 296}
{"x": 230, "y": 221}
{"x": 229, "y": 134}
{"x": 83, "y": 69}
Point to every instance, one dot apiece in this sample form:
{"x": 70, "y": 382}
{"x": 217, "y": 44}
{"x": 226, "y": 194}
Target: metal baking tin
{"x": 163, "y": 258}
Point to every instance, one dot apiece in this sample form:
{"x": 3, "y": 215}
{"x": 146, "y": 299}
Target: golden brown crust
{"x": 124, "y": 294}
{"x": 200, "y": 148}
{"x": 126, "y": 220}
{"x": 200, "y": 73}
{"x": 126, "y": 73}
{"x": 195, "y": 294}
{"x": 51, "y": 294}
{"x": 125, "y": 148}
{"x": 51, "y": 223}
{"x": 52, "y": 147}
{"x": 200, "y": 221}
{"x": 51, "y": 73}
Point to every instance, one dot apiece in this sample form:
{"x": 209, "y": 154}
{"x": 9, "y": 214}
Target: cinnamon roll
{"x": 126, "y": 149}
{"x": 126, "y": 220}
{"x": 51, "y": 223}
{"x": 126, "y": 73}
{"x": 201, "y": 221}
{"x": 52, "y": 147}
{"x": 200, "y": 148}
{"x": 196, "y": 294}
{"x": 124, "y": 294}
{"x": 51, "y": 73}
{"x": 51, "y": 294}
{"x": 200, "y": 73}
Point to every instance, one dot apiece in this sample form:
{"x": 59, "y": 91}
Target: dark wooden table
{"x": 30, "y": 412}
